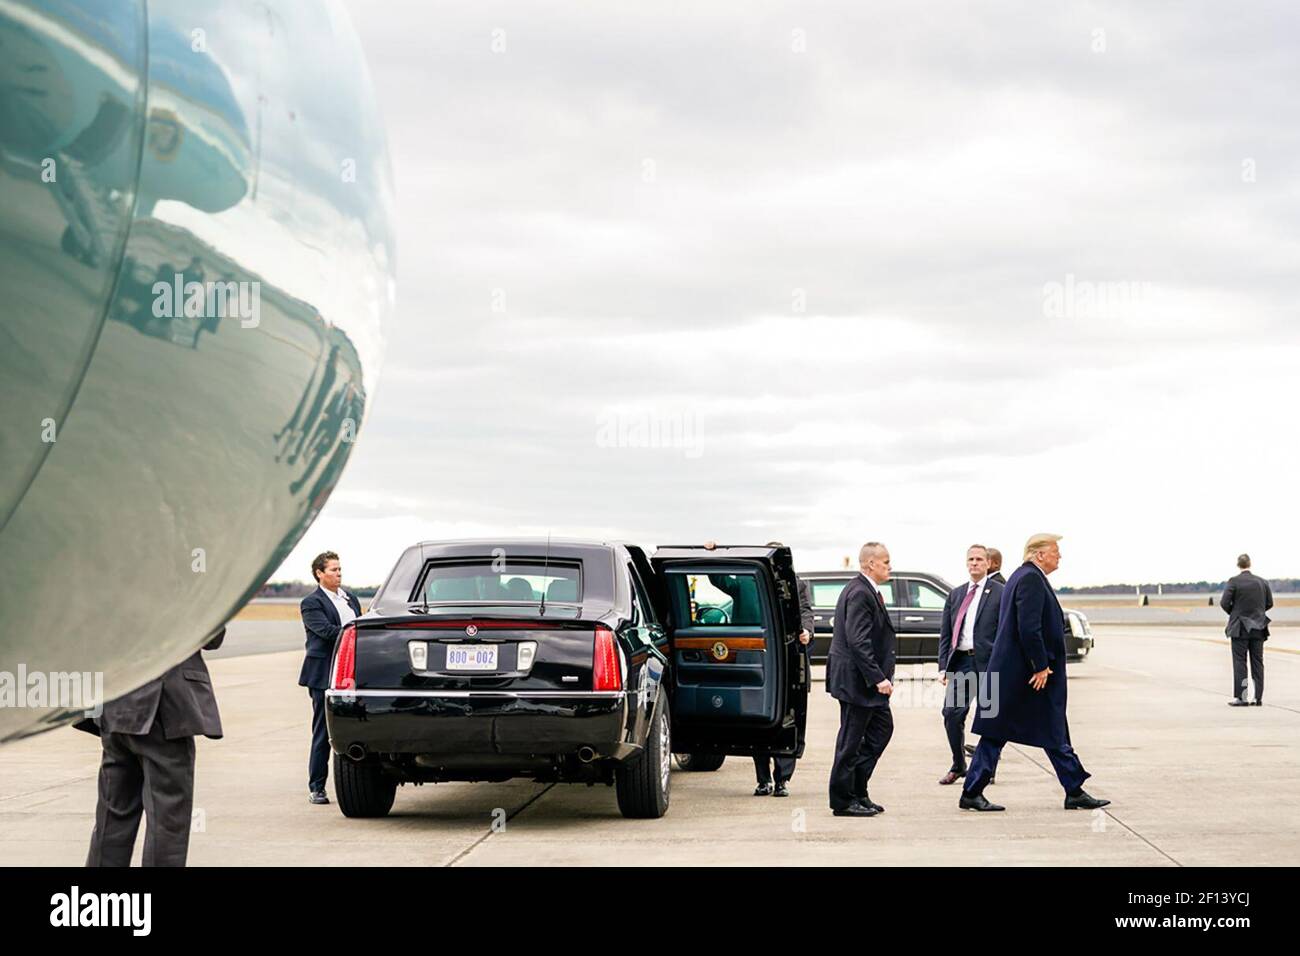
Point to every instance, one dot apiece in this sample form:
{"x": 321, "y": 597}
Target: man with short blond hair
{"x": 1025, "y": 701}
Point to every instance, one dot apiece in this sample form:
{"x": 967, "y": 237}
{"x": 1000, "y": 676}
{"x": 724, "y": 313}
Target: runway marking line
{"x": 510, "y": 816}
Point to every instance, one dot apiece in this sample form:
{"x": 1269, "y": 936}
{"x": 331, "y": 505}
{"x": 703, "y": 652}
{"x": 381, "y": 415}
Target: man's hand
{"x": 943, "y": 678}
{"x": 885, "y": 687}
{"x": 804, "y": 637}
{"x": 1039, "y": 680}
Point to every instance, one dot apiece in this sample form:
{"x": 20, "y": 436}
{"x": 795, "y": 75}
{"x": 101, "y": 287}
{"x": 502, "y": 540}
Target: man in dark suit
{"x": 325, "y": 612}
{"x": 784, "y": 764}
{"x": 859, "y": 674}
{"x": 1025, "y": 701}
{"x": 148, "y": 763}
{"x": 970, "y": 623}
{"x": 995, "y": 566}
{"x": 1246, "y": 598}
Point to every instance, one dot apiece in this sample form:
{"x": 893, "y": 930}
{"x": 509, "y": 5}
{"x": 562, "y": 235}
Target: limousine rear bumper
{"x": 480, "y": 730}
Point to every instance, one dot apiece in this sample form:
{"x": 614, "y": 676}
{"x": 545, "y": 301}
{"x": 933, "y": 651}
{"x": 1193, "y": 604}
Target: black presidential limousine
{"x": 565, "y": 661}
{"x": 915, "y": 601}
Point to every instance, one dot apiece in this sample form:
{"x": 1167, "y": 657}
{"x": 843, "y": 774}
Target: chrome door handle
{"x": 910, "y": 620}
{"x": 818, "y": 617}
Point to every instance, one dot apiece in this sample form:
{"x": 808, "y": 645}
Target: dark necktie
{"x": 961, "y": 614}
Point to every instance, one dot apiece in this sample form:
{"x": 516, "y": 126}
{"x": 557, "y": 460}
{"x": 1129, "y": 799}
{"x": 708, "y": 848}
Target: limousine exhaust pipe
{"x": 357, "y": 752}
{"x": 586, "y": 754}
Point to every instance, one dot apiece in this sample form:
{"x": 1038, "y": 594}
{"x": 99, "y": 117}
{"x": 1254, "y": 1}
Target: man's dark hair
{"x": 1243, "y": 561}
{"x": 318, "y": 563}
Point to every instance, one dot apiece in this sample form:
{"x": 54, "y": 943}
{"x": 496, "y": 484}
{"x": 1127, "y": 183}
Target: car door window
{"x": 826, "y": 593}
{"x": 926, "y": 596}
{"x": 716, "y": 600}
{"x": 642, "y": 609}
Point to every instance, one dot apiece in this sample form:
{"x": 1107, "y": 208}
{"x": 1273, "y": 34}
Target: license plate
{"x": 472, "y": 658}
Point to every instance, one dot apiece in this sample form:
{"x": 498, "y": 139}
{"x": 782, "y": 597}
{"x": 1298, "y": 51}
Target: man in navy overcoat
{"x": 1024, "y": 699}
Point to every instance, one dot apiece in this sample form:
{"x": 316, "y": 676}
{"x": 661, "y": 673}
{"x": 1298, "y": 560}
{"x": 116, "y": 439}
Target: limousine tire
{"x": 700, "y": 763}
{"x": 642, "y": 782}
{"x": 361, "y": 787}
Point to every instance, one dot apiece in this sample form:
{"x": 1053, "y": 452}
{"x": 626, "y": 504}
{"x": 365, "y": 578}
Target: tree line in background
{"x": 297, "y": 589}
{"x": 1283, "y": 585}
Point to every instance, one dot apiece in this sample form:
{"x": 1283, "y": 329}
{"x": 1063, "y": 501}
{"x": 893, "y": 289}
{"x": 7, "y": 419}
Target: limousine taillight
{"x": 345, "y": 663}
{"x": 605, "y": 671}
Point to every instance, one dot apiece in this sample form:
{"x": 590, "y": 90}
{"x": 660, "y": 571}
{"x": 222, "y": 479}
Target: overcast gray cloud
{"x": 853, "y": 271}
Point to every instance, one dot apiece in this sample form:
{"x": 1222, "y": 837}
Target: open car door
{"x": 739, "y": 682}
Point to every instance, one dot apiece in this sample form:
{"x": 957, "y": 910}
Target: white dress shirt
{"x": 340, "y": 600}
{"x": 966, "y": 642}
{"x": 874, "y": 586}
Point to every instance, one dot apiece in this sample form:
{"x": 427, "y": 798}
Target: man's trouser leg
{"x": 848, "y": 754}
{"x": 1257, "y": 667}
{"x": 1240, "y": 648}
{"x": 318, "y": 763}
{"x": 983, "y": 765}
{"x": 875, "y": 738}
{"x": 958, "y": 695}
{"x": 168, "y": 796}
{"x": 117, "y": 812}
{"x": 1067, "y": 766}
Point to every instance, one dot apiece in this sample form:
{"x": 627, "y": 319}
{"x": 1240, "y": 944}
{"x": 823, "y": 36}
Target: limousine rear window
{"x": 497, "y": 581}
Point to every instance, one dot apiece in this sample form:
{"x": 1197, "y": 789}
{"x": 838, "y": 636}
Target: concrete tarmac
{"x": 1193, "y": 781}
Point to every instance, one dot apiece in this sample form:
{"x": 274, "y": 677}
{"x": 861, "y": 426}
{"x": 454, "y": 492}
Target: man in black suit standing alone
{"x": 1246, "y": 597}
{"x": 970, "y": 623}
{"x": 325, "y": 612}
{"x": 859, "y": 674}
{"x": 148, "y": 763}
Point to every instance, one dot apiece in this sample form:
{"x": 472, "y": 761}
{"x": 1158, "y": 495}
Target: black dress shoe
{"x": 866, "y": 801}
{"x": 1258, "y": 703}
{"x": 781, "y": 789}
{"x": 318, "y": 796}
{"x": 977, "y": 802}
{"x": 855, "y": 809}
{"x": 763, "y": 790}
{"x": 1083, "y": 801}
{"x": 1238, "y": 702}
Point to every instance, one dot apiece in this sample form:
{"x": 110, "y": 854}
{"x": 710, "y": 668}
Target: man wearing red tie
{"x": 1027, "y": 688}
{"x": 970, "y": 623}
{"x": 860, "y": 675}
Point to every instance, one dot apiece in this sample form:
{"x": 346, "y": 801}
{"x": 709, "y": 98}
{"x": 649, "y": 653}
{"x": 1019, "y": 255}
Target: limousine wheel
{"x": 699, "y": 763}
{"x": 361, "y": 787}
{"x": 642, "y": 782}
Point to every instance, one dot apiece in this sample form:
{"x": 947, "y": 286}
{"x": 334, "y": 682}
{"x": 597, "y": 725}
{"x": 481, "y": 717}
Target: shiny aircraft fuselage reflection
{"x": 196, "y": 268}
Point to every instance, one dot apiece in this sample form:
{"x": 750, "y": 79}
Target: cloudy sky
{"x": 837, "y": 272}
